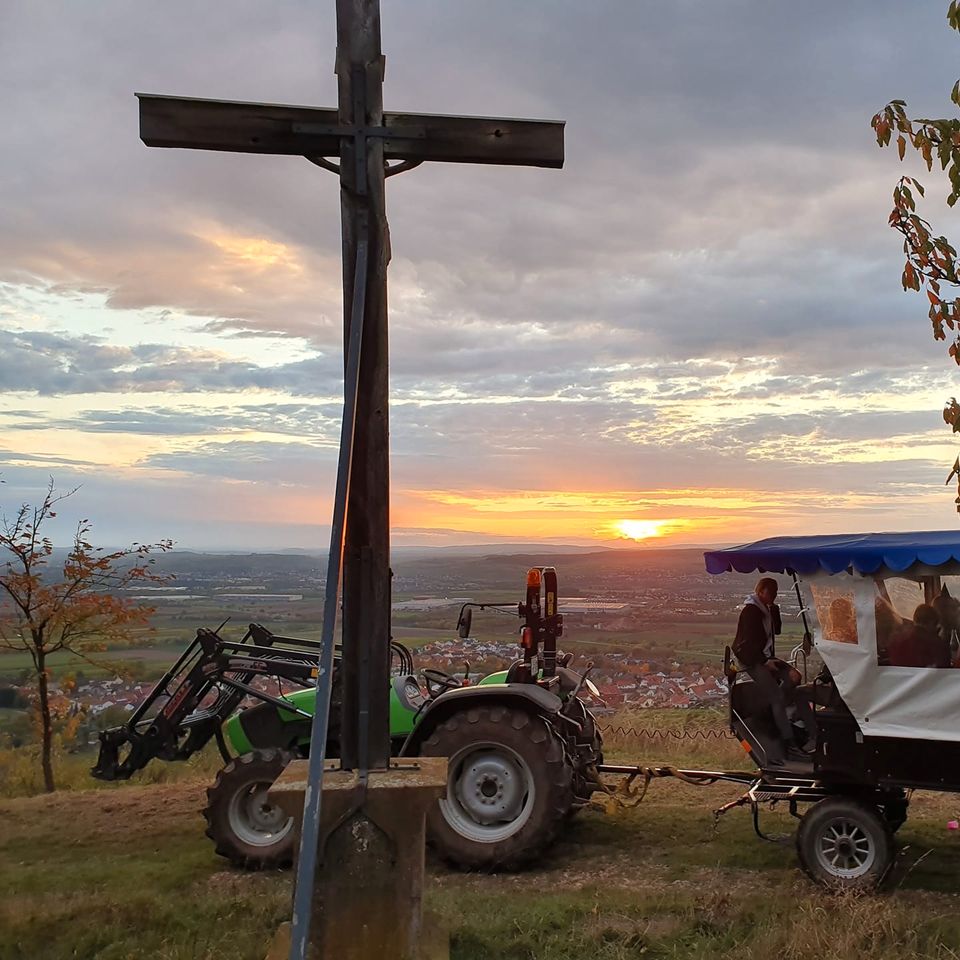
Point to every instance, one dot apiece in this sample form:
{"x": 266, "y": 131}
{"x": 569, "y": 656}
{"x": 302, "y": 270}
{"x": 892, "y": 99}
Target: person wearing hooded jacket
{"x": 754, "y": 647}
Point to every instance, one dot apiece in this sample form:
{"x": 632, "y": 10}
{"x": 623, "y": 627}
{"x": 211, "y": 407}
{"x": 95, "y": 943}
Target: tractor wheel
{"x": 590, "y": 735}
{"x": 844, "y": 843}
{"x": 243, "y": 826}
{"x": 588, "y": 751}
{"x": 509, "y": 786}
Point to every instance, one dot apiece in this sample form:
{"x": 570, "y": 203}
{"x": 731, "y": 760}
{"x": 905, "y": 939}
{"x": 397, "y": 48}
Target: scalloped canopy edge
{"x": 861, "y": 552}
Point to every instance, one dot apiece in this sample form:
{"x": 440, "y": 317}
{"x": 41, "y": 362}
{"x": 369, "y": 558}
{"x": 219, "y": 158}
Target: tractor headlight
{"x": 592, "y": 687}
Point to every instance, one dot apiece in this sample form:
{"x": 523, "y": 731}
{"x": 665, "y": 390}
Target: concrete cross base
{"x": 369, "y": 884}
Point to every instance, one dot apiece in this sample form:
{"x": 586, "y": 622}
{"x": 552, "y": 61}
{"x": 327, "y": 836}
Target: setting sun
{"x": 640, "y": 529}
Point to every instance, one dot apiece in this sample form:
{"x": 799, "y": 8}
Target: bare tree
{"x": 75, "y": 606}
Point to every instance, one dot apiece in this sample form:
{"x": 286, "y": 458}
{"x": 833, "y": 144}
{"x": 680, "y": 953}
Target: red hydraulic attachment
{"x": 542, "y": 626}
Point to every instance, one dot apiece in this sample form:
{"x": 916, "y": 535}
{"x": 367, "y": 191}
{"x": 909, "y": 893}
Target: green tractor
{"x": 523, "y": 747}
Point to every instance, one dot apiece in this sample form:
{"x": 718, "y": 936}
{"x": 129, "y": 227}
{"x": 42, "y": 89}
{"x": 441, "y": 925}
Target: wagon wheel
{"x": 844, "y": 843}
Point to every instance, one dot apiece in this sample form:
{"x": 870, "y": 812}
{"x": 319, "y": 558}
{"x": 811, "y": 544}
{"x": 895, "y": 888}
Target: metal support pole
{"x": 310, "y": 833}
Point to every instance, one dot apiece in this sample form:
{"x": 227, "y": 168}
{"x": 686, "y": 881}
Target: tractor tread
{"x": 258, "y": 766}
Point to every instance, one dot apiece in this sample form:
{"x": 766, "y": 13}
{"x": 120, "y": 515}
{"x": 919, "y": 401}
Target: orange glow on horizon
{"x": 587, "y": 516}
{"x": 682, "y": 516}
{"x": 641, "y": 529}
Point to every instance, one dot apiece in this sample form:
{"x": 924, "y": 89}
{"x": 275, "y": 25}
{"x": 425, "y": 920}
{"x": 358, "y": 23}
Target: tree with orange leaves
{"x": 75, "y": 606}
{"x": 930, "y": 262}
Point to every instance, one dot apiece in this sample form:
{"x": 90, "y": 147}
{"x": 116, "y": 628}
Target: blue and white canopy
{"x": 914, "y": 703}
{"x": 863, "y": 553}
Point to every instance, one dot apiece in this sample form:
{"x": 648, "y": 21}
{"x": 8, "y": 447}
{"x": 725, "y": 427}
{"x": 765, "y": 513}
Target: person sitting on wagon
{"x": 920, "y": 644}
{"x": 776, "y": 680}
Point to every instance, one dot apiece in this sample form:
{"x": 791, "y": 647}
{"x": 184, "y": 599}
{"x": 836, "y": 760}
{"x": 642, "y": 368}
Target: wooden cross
{"x": 364, "y": 139}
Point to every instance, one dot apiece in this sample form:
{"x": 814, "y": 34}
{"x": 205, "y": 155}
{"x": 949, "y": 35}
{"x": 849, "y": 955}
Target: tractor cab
{"x": 540, "y": 663}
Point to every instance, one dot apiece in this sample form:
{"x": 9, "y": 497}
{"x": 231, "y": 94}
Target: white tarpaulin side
{"x": 920, "y": 703}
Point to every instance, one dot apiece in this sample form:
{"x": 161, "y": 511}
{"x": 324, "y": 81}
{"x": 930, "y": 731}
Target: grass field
{"x": 150, "y": 662}
{"x": 129, "y": 874}
{"x": 693, "y": 642}
{"x": 126, "y": 872}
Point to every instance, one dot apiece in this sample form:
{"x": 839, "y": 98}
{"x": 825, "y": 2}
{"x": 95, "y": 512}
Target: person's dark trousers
{"x": 769, "y": 689}
{"x": 793, "y": 696}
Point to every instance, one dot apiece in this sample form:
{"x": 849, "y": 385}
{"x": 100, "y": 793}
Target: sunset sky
{"x": 694, "y": 332}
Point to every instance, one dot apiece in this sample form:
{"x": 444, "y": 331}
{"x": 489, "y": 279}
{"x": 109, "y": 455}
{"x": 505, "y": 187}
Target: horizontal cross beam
{"x": 314, "y": 131}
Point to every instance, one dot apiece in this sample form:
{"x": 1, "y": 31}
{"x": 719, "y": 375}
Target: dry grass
{"x": 21, "y": 775}
{"x": 693, "y": 738}
{"x": 128, "y": 874}
{"x": 846, "y": 926}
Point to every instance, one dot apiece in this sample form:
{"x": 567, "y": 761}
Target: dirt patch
{"x": 235, "y": 883}
{"x": 126, "y": 814}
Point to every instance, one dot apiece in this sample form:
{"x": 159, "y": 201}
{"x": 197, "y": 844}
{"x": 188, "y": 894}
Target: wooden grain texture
{"x": 241, "y": 127}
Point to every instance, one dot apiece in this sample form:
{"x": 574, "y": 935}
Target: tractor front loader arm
{"x": 198, "y": 693}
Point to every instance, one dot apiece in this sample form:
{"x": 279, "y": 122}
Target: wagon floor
{"x": 792, "y": 768}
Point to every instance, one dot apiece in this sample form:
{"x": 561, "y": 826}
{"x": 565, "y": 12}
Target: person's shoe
{"x": 798, "y": 753}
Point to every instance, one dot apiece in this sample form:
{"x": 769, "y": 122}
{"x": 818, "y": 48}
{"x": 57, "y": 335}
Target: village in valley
{"x": 652, "y": 623}
{"x": 623, "y": 678}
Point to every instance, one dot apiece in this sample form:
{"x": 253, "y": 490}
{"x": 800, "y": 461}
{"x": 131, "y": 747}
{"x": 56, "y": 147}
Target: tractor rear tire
{"x": 844, "y": 844}
{"x": 590, "y": 736}
{"x": 588, "y": 748}
{"x": 509, "y": 787}
{"x": 245, "y": 828}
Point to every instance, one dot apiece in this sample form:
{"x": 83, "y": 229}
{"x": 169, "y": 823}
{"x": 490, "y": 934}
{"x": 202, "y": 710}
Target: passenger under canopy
{"x": 872, "y": 597}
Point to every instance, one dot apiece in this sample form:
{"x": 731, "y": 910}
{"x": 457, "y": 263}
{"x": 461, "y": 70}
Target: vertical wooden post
{"x": 365, "y": 735}
{"x": 393, "y": 799}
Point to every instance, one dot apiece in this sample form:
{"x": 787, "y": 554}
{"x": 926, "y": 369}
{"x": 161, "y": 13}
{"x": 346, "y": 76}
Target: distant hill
{"x": 672, "y": 573}
{"x": 494, "y": 550}
{"x": 458, "y": 550}
{"x": 474, "y": 566}
{"x": 238, "y": 564}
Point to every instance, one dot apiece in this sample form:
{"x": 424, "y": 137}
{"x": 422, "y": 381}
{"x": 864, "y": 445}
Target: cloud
{"x": 53, "y": 364}
{"x": 284, "y": 464}
{"x": 684, "y": 179}
{"x": 291, "y": 420}
{"x": 15, "y": 460}
{"x": 707, "y": 289}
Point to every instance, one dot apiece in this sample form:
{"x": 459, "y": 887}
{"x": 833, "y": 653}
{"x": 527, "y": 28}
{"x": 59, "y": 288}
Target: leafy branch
{"x": 930, "y": 261}
{"x": 79, "y": 607}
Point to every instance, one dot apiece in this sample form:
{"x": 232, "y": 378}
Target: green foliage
{"x": 930, "y": 260}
